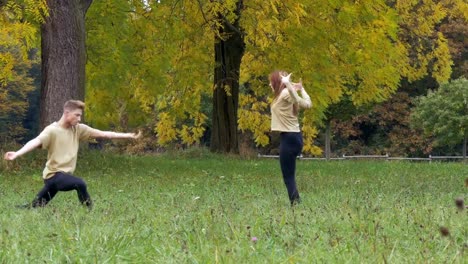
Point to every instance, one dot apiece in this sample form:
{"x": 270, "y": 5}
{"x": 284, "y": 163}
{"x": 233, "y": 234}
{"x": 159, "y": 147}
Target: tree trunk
{"x": 327, "y": 140}
{"x": 464, "y": 147}
{"x": 228, "y": 56}
{"x": 63, "y": 57}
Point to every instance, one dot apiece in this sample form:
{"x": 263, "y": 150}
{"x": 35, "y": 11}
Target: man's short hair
{"x": 73, "y": 105}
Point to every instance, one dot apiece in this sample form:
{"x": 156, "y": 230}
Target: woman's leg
{"x": 290, "y": 148}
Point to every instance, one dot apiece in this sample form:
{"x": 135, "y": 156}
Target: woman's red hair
{"x": 278, "y": 86}
{"x": 275, "y": 81}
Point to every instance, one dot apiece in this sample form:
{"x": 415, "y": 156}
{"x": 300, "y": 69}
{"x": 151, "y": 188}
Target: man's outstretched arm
{"x": 96, "y": 133}
{"x": 32, "y": 144}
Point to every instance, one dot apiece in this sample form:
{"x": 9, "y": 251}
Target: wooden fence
{"x": 378, "y": 157}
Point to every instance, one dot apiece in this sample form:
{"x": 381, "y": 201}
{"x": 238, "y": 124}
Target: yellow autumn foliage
{"x": 154, "y": 65}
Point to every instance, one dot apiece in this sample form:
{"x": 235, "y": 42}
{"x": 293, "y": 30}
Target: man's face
{"x": 73, "y": 117}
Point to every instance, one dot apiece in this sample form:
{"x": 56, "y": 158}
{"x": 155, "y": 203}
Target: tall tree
{"x": 156, "y": 61}
{"x": 63, "y": 56}
{"x": 383, "y": 129}
{"x": 338, "y": 48}
{"x": 429, "y": 62}
{"x": 456, "y": 31}
{"x": 19, "y": 40}
{"x": 444, "y": 113}
{"x": 14, "y": 96}
{"x": 229, "y": 49}
{"x": 151, "y": 63}
{"x": 340, "y": 111}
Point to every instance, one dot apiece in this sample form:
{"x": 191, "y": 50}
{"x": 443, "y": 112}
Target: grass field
{"x": 196, "y": 207}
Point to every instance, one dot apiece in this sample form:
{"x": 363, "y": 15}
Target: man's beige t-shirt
{"x": 62, "y": 145}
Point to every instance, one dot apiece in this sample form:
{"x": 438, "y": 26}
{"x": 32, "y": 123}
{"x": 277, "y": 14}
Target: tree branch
{"x": 201, "y": 10}
{"x": 231, "y": 26}
{"x": 86, "y": 5}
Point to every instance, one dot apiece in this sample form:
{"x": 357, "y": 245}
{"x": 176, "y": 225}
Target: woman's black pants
{"x": 290, "y": 147}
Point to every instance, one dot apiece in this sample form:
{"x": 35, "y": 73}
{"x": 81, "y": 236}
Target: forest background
{"x": 385, "y": 77}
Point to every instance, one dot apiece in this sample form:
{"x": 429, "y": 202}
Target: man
{"x": 62, "y": 139}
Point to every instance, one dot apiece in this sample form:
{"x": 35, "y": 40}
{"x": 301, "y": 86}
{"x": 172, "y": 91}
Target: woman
{"x": 284, "y": 112}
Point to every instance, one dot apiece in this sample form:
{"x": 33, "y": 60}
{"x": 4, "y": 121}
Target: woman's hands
{"x": 304, "y": 101}
{"x": 287, "y": 79}
{"x": 298, "y": 86}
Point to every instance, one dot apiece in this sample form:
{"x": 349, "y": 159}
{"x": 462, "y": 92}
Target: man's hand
{"x": 137, "y": 136}
{"x": 11, "y": 155}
